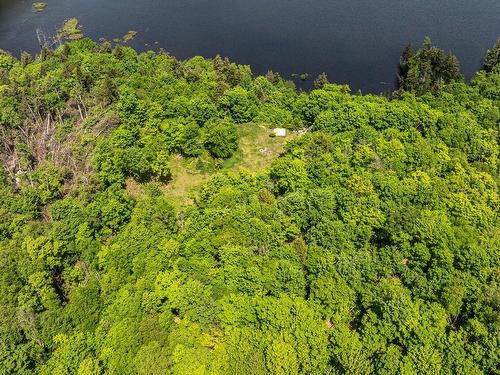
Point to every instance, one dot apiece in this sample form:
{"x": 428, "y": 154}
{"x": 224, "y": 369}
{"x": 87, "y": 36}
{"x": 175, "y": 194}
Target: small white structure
{"x": 279, "y": 132}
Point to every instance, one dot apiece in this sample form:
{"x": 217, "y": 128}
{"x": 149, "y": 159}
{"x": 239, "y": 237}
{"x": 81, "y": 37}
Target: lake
{"x": 356, "y": 42}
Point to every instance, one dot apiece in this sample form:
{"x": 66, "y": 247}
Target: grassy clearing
{"x": 71, "y": 30}
{"x": 39, "y": 6}
{"x": 258, "y": 148}
{"x": 256, "y": 152}
{"x": 185, "y": 179}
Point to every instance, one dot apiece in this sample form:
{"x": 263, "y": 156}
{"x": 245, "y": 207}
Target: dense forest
{"x": 369, "y": 243}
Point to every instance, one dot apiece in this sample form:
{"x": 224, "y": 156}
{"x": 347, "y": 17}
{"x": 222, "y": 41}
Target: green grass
{"x": 185, "y": 179}
{"x": 257, "y": 150}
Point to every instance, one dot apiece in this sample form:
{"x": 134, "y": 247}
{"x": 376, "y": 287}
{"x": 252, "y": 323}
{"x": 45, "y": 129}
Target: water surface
{"x": 354, "y": 41}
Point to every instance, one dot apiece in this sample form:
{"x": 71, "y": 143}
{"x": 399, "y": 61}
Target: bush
{"x": 220, "y": 138}
{"x": 240, "y": 104}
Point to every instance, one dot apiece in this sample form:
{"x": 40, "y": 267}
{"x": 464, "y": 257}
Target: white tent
{"x": 279, "y": 132}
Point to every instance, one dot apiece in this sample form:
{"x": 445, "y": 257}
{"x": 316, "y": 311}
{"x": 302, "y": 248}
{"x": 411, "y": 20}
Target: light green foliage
{"x": 369, "y": 245}
{"x": 289, "y": 175}
{"x": 220, "y": 138}
{"x": 239, "y": 104}
{"x": 275, "y": 116}
{"x": 47, "y": 181}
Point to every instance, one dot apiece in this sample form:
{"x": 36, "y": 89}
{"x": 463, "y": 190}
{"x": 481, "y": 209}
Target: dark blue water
{"x": 354, "y": 41}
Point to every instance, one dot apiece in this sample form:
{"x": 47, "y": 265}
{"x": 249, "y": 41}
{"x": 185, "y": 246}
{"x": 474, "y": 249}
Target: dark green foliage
{"x": 427, "y": 69}
{"x": 321, "y": 81}
{"x": 492, "y": 58}
{"x": 239, "y": 104}
{"x": 370, "y": 244}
